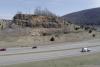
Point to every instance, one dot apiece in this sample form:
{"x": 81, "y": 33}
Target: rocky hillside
{"x": 28, "y": 20}
{"x": 48, "y": 24}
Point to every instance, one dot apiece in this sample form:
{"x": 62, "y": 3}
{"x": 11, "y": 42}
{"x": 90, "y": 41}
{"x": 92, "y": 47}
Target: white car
{"x": 85, "y": 50}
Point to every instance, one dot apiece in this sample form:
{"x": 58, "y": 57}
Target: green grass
{"x": 81, "y": 61}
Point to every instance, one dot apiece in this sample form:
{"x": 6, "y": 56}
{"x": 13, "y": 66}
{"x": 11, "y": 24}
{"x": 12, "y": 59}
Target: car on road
{"x": 34, "y": 47}
{"x": 85, "y": 50}
{"x": 2, "y": 49}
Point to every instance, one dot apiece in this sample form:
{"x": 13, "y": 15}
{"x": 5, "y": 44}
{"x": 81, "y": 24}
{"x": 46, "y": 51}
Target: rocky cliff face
{"x": 37, "y": 21}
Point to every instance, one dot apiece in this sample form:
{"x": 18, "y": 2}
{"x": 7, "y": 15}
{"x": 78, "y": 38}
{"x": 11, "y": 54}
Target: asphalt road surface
{"x": 26, "y": 54}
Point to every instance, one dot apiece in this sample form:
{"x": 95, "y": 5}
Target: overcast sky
{"x": 60, "y": 7}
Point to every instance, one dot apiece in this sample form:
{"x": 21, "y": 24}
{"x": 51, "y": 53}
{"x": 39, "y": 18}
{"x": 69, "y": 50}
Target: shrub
{"x": 56, "y": 35}
{"x": 76, "y": 28}
{"x": 44, "y": 34}
{"x": 93, "y": 35}
{"x": 65, "y": 32}
{"x": 90, "y": 31}
{"x": 87, "y": 28}
{"x": 52, "y": 39}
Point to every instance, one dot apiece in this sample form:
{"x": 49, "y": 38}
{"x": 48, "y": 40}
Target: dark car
{"x": 2, "y": 49}
{"x": 34, "y": 47}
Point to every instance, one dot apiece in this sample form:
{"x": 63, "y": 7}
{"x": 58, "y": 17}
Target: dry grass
{"x": 81, "y": 61}
{"x": 24, "y": 41}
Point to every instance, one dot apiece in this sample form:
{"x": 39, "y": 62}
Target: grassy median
{"x": 80, "y": 61}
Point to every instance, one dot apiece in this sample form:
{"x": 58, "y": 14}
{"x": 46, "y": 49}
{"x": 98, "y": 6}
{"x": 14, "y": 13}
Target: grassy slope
{"x": 44, "y": 40}
{"x": 82, "y": 61}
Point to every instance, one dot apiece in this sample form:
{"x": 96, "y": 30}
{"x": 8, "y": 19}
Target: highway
{"x": 27, "y": 54}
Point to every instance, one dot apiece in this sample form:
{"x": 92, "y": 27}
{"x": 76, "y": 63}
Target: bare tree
{"x": 37, "y": 11}
{"x": 43, "y": 12}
